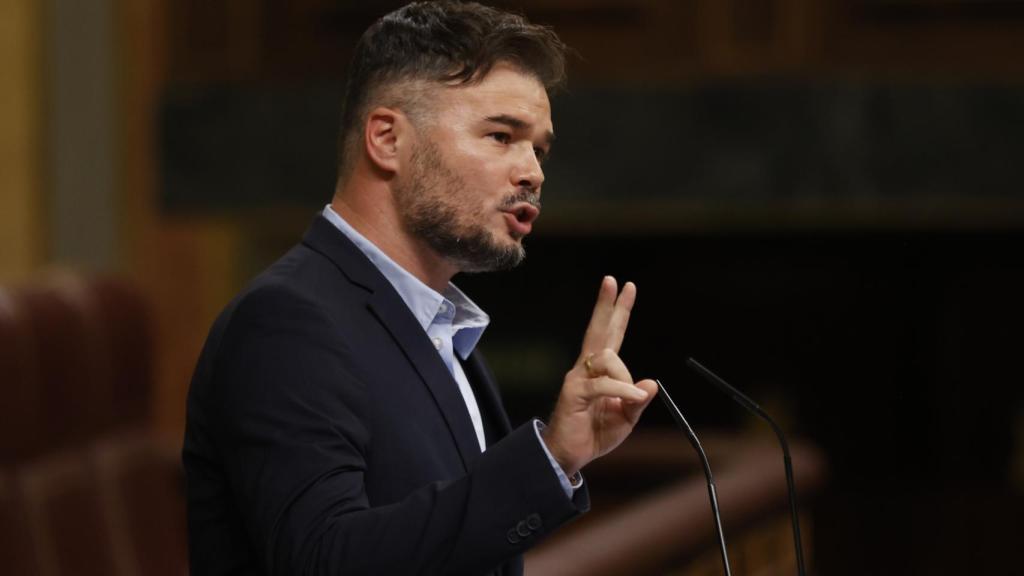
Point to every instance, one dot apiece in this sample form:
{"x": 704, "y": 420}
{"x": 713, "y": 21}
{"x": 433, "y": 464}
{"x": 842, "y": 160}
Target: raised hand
{"x": 599, "y": 404}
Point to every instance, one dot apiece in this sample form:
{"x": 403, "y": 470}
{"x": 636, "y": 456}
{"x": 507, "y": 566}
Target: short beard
{"x": 429, "y": 205}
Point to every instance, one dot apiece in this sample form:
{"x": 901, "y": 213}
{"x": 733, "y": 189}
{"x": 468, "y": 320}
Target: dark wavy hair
{"x": 442, "y": 42}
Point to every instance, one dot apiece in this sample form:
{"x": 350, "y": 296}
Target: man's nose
{"x": 528, "y": 172}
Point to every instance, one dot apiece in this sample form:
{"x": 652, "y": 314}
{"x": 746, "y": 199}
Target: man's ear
{"x": 387, "y": 132}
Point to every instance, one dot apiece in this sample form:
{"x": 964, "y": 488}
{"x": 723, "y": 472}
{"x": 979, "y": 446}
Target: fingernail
{"x": 640, "y": 394}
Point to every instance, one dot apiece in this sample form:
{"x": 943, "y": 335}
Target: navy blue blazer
{"x": 325, "y": 435}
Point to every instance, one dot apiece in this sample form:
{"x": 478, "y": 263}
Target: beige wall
{"x": 81, "y": 159}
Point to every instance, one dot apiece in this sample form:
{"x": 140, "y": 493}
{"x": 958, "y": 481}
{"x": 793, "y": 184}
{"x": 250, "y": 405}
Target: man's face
{"x": 472, "y": 189}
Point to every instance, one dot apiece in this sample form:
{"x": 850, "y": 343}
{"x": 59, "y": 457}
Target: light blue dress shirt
{"x": 452, "y": 321}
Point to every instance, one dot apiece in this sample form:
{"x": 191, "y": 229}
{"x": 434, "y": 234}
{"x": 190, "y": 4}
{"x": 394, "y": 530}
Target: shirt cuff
{"x": 570, "y": 485}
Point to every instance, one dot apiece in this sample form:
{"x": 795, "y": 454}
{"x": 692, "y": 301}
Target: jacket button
{"x": 513, "y": 537}
{"x": 522, "y": 530}
{"x": 533, "y": 521}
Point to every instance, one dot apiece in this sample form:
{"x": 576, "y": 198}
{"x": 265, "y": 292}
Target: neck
{"x": 379, "y": 222}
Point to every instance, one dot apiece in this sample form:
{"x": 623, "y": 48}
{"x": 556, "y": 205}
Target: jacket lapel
{"x": 385, "y": 303}
{"x": 399, "y": 321}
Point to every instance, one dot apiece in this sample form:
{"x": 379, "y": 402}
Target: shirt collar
{"x": 468, "y": 321}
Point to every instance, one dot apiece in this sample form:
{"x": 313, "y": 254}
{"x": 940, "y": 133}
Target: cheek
{"x": 481, "y": 180}
{"x": 483, "y": 171}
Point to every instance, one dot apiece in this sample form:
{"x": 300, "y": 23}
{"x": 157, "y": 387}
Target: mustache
{"x": 524, "y": 195}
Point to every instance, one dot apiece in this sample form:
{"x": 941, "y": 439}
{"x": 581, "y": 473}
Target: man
{"x": 340, "y": 420}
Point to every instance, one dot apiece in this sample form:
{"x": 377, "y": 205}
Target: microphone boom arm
{"x": 745, "y": 401}
{"x": 677, "y": 415}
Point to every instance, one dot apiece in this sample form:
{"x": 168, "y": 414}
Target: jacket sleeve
{"x": 293, "y": 430}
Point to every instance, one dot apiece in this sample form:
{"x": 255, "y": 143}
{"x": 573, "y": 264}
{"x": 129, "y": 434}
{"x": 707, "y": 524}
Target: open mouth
{"x": 520, "y": 218}
{"x": 525, "y": 213}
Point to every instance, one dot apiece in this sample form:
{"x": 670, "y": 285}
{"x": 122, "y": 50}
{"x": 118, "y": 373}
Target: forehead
{"x": 504, "y": 91}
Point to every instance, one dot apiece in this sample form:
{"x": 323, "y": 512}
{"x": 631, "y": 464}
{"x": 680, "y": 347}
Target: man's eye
{"x": 540, "y": 153}
{"x": 502, "y": 137}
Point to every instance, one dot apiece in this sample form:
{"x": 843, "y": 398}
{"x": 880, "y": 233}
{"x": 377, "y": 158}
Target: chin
{"x": 509, "y": 239}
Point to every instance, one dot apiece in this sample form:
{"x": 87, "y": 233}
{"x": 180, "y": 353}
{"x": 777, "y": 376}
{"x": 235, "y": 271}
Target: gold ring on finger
{"x": 588, "y": 363}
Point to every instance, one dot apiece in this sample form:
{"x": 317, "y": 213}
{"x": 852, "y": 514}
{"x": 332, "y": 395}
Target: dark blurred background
{"x": 819, "y": 199}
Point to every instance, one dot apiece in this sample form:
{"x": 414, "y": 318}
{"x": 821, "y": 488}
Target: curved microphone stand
{"x": 743, "y": 400}
{"x": 677, "y": 415}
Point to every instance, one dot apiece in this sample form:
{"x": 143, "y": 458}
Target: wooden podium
{"x": 650, "y": 512}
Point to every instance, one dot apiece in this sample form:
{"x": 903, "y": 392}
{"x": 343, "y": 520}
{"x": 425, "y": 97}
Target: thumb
{"x": 633, "y": 410}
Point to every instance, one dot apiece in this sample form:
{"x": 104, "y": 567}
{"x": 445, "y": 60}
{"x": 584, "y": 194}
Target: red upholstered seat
{"x": 69, "y": 361}
{"x": 66, "y": 517}
{"x": 17, "y": 549}
{"x": 124, "y": 323}
{"x": 143, "y": 490}
{"x": 84, "y": 486}
{"x": 19, "y": 390}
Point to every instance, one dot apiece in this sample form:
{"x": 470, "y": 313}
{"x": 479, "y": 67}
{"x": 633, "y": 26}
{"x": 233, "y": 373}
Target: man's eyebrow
{"x": 518, "y": 124}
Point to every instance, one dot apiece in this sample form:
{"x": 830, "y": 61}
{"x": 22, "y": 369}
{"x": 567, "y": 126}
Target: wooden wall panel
{"x": 198, "y": 44}
{"x": 21, "y": 139}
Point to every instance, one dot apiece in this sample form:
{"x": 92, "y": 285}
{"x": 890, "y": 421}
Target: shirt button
{"x": 437, "y": 343}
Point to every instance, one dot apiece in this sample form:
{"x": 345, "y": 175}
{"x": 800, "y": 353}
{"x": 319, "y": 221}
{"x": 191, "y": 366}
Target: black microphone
{"x": 677, "y": 415}
{"x": 743, "y": 400}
